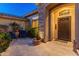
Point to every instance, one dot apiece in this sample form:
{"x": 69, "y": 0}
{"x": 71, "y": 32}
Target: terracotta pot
{"x": 36, "y": 42}
{"x": 17, "y": 34}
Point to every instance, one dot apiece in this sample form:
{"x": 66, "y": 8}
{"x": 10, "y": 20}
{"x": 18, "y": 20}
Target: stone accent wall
{"x": 42, "y": 20}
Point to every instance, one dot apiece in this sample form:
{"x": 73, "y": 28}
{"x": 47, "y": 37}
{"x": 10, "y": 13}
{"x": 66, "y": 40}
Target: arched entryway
{"x": 61, "y": 22}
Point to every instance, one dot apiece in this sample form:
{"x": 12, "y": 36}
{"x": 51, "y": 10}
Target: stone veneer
{"x": 42, "y": 19}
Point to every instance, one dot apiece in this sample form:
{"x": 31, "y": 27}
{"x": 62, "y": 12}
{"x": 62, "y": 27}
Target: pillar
{"x": 77, "y": 23}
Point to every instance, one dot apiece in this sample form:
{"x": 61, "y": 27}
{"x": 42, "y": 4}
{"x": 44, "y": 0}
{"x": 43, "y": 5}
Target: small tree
{"x": 15, "y": 26}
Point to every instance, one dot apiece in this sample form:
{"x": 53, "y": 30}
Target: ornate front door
{"x": 64, "y": 29}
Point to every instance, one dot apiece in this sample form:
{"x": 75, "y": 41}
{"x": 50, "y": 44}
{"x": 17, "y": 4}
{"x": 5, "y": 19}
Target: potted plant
{"x": 32, "y": 32}
{"x": 15, "y": 28}
{"x": 17, "y": 33}
{"x": 37, "y": 40}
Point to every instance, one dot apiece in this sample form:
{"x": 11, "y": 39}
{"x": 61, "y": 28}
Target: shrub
{"x": 32, "y": 32}
{"x": 4, "y": 41}
{"x": 15, "y": 26}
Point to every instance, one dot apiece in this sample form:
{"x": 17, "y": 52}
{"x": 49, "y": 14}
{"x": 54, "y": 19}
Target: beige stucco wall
{"x": 34, "y": 23}
{"x": 55, "y": 15}
{"x": 6, "y": 21}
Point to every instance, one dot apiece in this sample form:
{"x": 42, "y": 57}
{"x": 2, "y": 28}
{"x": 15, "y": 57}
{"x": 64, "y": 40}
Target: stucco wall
{"x": 32, "y": 17}
{"x": 6, "y": 21}
{"x": 34, "y": 23}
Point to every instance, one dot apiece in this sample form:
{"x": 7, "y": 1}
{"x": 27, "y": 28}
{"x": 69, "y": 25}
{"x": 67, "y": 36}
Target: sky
{"x": 17, "y": 9}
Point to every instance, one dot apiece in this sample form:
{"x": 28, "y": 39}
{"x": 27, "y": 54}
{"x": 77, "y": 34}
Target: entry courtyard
{"x": 46, "y": 30}
{"x": 24, "y": 47}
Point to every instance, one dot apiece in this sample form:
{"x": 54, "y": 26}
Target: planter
{"x": 23, "y": 34}
{"x": 17, "y": 33}
{"x": 36, "y": 42}
{"x": 12, "y": 34}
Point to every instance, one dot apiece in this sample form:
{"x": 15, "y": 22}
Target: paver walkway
{"x": 24, "y": 47}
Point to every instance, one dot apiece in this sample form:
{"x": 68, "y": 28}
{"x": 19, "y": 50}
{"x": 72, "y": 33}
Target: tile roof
{"x": 32, "y": 13}
{"x": 8, "y": 16}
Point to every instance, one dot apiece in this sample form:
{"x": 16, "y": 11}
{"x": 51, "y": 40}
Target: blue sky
{"x": 18, "y": 9}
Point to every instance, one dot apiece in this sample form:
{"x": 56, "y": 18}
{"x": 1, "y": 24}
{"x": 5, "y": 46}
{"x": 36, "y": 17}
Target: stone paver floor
{"x": 24, "y": 47}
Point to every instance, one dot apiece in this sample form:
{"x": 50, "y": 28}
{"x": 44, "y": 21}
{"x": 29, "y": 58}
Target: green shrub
{"x": 32, "y": 32}
{"x": 28, "y": 28}
{"x": 15, "y": 26}
{"x": 4, "y": 41}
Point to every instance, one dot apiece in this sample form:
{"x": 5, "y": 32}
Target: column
{"x": 77, "y": 23}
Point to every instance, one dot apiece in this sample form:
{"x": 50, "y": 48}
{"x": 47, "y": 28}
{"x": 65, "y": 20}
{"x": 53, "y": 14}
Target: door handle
{"x": 55, "y": 26}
